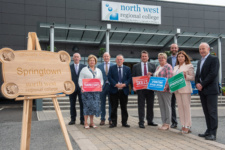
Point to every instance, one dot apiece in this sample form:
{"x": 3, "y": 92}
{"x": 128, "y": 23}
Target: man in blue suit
{"x": 119, "y": 79}
{"x": 104, "y": 67}
{"x": 75, "y": 68}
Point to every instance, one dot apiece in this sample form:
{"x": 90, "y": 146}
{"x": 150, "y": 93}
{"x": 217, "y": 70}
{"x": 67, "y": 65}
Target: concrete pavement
{"x": 104, "y": 138}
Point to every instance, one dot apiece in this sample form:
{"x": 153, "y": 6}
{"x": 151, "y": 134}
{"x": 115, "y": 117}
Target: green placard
{"x": 177, "y": 82}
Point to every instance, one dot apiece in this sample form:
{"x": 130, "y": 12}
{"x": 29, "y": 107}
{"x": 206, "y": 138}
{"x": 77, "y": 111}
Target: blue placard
{"x": 157, "y": 83}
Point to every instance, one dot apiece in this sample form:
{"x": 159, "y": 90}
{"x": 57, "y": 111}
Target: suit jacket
{"x": 169, "y": 61}
{"x": 209, "y": 75}
{"x": 105, "y": 77}
{"x": 190, "y": 76}
{"x": 114, "y": 78}
{"x": 76, "y": 76}
{"x": 137, "y": 69}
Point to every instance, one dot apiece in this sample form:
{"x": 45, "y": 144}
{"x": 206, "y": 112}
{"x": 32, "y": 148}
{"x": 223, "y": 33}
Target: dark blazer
{"x": 137, "y": 71}
{"x": 75, "y": 76}
{"x": 209, "y": 75}
{"x": 169, "y": 61}
{"x": 105, "y": 77}
{"x": 114, "y": 78}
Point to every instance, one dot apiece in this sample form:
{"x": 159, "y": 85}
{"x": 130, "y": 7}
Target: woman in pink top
{"x": 164, "y": 97}
{"x": 183, "y": 95}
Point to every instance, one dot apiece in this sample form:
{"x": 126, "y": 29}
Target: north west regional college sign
{"x": 127, "y": 12}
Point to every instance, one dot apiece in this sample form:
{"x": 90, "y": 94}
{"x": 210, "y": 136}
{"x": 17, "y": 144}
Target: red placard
{"x": 91, "y": 85}
{"x": 140, "y": 82}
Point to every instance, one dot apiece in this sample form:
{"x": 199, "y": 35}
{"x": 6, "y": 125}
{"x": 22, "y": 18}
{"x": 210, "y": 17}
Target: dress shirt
{"x": 108, "y": 68}
{"x": 174, "y": 59}
{"x": 76, "y": 67}
{"x": 142, "y": 68}
{"x": 202, "y": 61}
{"x": 107, "y": 64}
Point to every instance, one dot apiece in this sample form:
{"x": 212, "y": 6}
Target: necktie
{"x": 106, "y": 68}
{"x": 76, "y": 69}
{"x": 145, "y": 69}
{"x": 120, "y": 76}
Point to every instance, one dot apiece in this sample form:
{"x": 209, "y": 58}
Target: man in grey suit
{"x": 142, "y": 69}
{"x": 104, "y": 67}
{"x": 75, "y": 68}
{"x": 172, "y": 61}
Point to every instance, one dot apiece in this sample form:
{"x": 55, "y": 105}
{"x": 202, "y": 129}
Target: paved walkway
{"x": 104, "y": 138}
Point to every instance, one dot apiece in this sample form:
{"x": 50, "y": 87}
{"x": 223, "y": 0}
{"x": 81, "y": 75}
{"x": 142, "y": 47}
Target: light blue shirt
{"x": 203, "y": 61}
{"x": 107, "y": 64}
{"x": 76, "y": 67}
{"x": 174, "y": 59}
{"x": 108, "y": 69}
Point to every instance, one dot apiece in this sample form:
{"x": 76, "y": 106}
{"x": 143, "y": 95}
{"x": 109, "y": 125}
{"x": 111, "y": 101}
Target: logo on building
{"x": 112, "y": 15}
{"x": 128, "y": 12}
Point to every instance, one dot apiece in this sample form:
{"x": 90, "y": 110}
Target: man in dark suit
{"x": 119, "y": 79}
{"x": 104, "y": 67}
{"x": 172, "y": 61}
{"x": 144, "y": 68}
{"x": 75, "y": 68}
{"x": 207, "y": 83}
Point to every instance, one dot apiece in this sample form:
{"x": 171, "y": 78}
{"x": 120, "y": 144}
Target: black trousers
{"x": 148, "y": 96}
{"x": 114, "y": 100}
{"x": 209, "y": 105}
{"x": 73, "y": 112}
{"x": 173, "y": 109}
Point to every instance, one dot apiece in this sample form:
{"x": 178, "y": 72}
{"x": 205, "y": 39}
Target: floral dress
{"x": 91, "y": 100}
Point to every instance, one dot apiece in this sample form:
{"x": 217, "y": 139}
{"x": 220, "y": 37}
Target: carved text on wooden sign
{"x": 35, "y": 73}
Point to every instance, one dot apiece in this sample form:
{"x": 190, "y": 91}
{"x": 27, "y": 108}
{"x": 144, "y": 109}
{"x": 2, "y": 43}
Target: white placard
{"x": 127, "y": 12}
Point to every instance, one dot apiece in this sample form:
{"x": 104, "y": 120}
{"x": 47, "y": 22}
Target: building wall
{"x": 18, "y": 17}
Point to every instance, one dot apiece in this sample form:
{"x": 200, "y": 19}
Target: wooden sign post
{"x": 35, "y": 74}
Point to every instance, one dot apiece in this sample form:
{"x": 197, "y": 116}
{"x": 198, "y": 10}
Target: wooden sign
{"x": 140, "y": 82}
{"x": 35, "y": 73}
{"x": 91, "y": 85}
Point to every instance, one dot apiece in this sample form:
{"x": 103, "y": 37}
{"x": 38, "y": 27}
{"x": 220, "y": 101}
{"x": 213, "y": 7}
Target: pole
{"x": 52, "y": 38}
{"x": 107, "y": 37}
{"x": 220, "y": 60}
{"x": 175, "y": 39}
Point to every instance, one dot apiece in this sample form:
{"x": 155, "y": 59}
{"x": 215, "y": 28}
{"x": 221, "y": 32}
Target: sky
{"x": 205, "y": 2}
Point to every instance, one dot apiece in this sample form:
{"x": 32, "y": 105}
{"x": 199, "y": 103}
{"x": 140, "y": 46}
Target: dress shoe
{"x": 141, "y": 126}
{"x": 102, "y": 123}
{"x": 152, "y": 124}
{"x": 210, "y": 137}
{"x": 112, "y": 125}
{"x": 110, "y": 122}
{"x": 126, "y": 125}
{"x": 173, "y": 125}
{"x": 82, "y": 122}
{"x": 203, "y": 135}
{"x": 71, "y": 123}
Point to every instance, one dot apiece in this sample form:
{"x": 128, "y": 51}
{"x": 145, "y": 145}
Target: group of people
{"x": 116, "y": 78}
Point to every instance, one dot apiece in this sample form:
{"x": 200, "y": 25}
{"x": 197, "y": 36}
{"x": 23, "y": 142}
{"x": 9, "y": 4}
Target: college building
{"x": 120, "y": 27}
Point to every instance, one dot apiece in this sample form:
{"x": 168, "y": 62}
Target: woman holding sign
{"x": 90, "y": 98}
{"x": 164, "y": 97}
{"x": 183, "y": 95}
